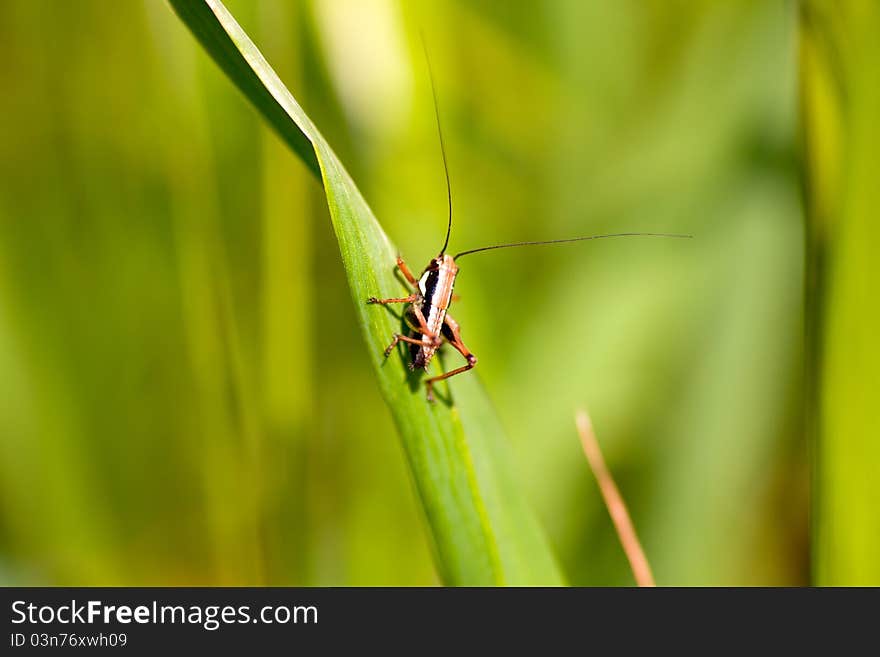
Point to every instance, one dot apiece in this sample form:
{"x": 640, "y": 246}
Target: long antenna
{"x": 442, "y": 145}
{"x": 571, "y": 239}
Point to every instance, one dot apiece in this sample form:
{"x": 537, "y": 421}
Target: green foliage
{"x": 840, "y": 56}
{"x": 483, "y": 532}
{"x": 186, "y": 393}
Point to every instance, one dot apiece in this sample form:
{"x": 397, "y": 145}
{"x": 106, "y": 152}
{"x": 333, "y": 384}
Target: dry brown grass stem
{"x": 613, "y": 500}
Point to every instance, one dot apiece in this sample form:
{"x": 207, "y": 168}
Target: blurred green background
{"x": 184, "y": 395}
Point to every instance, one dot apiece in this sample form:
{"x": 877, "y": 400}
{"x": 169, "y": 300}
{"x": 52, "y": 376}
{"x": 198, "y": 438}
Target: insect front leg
{"x": 407, "y": 274}
{"x": 452, "y": 333}
{"x": 410, "y": 299}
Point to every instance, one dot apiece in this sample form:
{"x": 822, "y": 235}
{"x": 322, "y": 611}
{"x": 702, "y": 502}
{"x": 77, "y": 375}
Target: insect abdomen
{"x": 436, "y": 287}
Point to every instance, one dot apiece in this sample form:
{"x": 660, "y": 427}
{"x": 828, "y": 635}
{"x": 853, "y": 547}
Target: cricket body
{"x": 435, "y": 287}
{"x": 428, "y": 318}
{"x": 427, "y": 315}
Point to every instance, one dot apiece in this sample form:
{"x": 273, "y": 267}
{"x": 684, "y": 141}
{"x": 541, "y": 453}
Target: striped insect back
{"x": 436, "y": 286}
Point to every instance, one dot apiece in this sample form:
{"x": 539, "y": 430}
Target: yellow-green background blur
{"x": 185, "y": 397}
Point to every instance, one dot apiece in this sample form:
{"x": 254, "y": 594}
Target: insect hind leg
{"x": 452, "y": 333}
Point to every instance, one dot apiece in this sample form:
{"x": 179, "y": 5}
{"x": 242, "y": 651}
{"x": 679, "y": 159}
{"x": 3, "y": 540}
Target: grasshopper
{"x": 432, "y": 293}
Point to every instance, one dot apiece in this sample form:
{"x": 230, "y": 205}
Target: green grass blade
{"x": 840, "y": 67}
{"x": 239, "y": 58}
{"x": 483, "y": 532}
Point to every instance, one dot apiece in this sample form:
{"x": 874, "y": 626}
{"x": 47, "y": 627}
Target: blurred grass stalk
{"x": 840, "y": 80}
{"x": 224, "y": 413}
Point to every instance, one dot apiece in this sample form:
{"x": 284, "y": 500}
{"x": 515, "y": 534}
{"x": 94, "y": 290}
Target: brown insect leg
{"x": 407, "y": 274}
{"x": 409, "y": 299}
{"x": 429, "y": 340}
{"x": 401, "y": 265}
{"x": 401, "y": 338}
{"x": 454, "y": 338}
{"x": 412, "y": 280}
